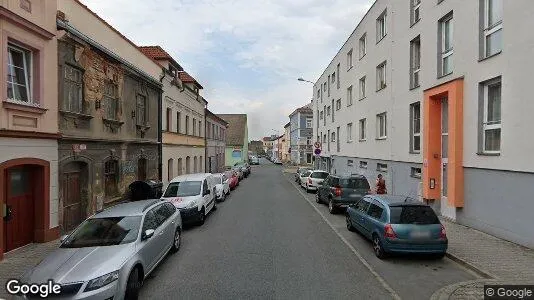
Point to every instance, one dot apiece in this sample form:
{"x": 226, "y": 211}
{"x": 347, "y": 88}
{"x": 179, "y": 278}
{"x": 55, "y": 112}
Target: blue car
{"x": 397, "y": 224}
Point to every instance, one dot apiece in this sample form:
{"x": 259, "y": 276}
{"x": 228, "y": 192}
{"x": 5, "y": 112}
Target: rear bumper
{"x": 189, "y": 214}
{"x": 403, "y": 247}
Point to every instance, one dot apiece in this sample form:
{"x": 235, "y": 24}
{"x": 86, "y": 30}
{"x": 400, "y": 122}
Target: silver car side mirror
{"x": 63, "y": 238}
{"x": 148, "y": 234}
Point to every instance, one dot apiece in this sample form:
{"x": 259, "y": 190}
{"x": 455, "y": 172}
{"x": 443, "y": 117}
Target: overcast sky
{"x": 247, "y": 54}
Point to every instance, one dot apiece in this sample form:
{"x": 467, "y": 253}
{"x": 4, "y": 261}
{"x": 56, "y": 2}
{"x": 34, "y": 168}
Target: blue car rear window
{"x": 354, "y": 183}
{"x": 418, "y": 215}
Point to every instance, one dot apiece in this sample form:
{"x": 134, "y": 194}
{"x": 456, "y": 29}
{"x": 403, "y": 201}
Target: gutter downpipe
{"x": 160, "y": 127}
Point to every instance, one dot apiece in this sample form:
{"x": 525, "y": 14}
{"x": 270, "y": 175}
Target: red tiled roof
{"x": 156, "y": 52}
{"x": 185, "y": 77}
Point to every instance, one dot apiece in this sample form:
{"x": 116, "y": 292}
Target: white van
{"x": 194, "y": 195}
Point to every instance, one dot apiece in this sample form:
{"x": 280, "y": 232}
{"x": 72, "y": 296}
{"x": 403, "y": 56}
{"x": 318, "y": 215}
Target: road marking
{"x": 384, "y": 284}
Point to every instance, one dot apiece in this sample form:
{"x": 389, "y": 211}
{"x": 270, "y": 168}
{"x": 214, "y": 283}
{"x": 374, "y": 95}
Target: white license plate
{"x": 420, "y": 234}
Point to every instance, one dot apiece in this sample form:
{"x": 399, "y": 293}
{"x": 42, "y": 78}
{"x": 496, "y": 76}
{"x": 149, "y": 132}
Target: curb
{"x": 484, "y": 274}
{"x": 446, "y": 292}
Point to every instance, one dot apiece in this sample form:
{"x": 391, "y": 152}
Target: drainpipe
{"x": 160, "y": 127}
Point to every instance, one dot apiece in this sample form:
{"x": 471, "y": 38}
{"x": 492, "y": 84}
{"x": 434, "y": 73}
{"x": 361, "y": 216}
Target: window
{"x": 381, "y": 29}
{"x": 186, "y": 124}
{"x": 492, "y": 37}
{"x": 415, "y": 127}
{"x": 328, "y": 111}
{"x": 111, "y": 177}
{"x": 309, "y": 122}
{"x": 492, "y": 117}
{"x": 324, "y": 138}
{"x": 415, "y": 15}
{"x": 338, "y": 77}
{"x": 415, "y": 62}
{"x": 194, "y": 126}
{"x": 363, "y": 129}
{"x": 328, "y": 136}
{"x": 72, "y": 89}
{"x": 213, "y": 133}
{"x": 333, "y": 77}
{"x": 349, "y": 60}
{"x": 169, "y": 119}
{"x": 319, "y": 94}
{"x": 381, "y": 126}
{"x": 338, "y": 144}
{"x": 349, "y": 96}
{"x": 200, "y": 164}
{"x": 338, "y": 104}
{"x": 362, "y": 87}
{"x": 178, "y": 121}
{"x": 195, "y": 170}
{"x": 141, "y": 168}
{"x": 324, "y": 87}
{"x": 19, "y": 74}
{"x": 363, "y": 42}
{"x": 170, "y": 167}
{"x": 446, "y": 62}
{"x": 349, "y": 132}
{"x": 199, "y": 128}
{"x": 308, "y": 141}
{"x": 328, "y": 84}
{"x": 350, "y": 162}
{"x": 141, "y": 110}
{"x": 111, "y": 100}
{"x": 324, "y": 120}
{"x": 333, "y": 137}
{"x": 381, "y": 167}
{"x": 375, "y": 210}
{"x": 333, "y": 107}
{"x": 415, "y": 172}
{"x": 322, "y": 115}
{"x": 363, "y": 164}
{"x": 381, "y": 76}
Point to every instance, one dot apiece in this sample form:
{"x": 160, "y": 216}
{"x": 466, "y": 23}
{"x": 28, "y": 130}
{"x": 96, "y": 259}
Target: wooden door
{"x": 19, "y": 223}
{"x": 72, "y": 206}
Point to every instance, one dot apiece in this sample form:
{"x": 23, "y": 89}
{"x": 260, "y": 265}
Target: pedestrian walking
{"x": 381, "y": 185}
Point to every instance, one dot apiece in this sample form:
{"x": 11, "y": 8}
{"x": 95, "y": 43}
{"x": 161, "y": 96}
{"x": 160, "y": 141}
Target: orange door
{"x": 19, "y": 221}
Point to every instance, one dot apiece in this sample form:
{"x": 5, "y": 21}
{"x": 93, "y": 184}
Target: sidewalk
{"x": 16, "y": 262}
{"x": 495, "y": 260}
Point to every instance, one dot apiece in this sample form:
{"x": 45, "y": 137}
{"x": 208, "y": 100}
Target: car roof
{"x": 360, "y": 176}
{"x": 319, "y": 171}
{"x": 397, "y": 200}
{"x": 134, "y": 208}
{"x": 191, "y": 177}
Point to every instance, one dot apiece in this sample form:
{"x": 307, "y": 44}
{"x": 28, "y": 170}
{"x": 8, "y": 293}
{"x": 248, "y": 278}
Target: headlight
{"x": 191, "y": 204}
{"x": 101, "y": 281}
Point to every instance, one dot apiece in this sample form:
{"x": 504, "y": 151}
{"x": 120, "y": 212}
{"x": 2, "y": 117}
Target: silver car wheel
{"x": 317, "y": 197}
{"x": 177, "y": 240}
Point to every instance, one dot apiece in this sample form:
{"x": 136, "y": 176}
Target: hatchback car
{"x": 300, "y": 171}
{"x": 303, "y": 178}
{"x": 233, "y": 180}
{"x": 194, "y": 195}
{"x": 398, "y": 224}
{"x": 110, "y": 254}
{"x": 315, "y": 179}
{"x": 254, "y": 160}
{"x": 339, "y": 191}
{"x": 222, "y": 186}
{"x": 239, "y": 172}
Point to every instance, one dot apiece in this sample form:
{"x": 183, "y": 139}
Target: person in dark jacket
{"x": 381, "y": 185}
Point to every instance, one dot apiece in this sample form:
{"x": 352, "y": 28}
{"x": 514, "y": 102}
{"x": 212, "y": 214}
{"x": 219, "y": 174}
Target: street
{"x": 270, "y": 240}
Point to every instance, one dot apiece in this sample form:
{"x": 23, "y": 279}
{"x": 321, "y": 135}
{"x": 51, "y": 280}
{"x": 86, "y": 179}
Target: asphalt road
{"x": 270, "y": 240}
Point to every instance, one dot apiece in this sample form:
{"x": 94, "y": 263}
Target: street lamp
{"x": 304, "y": 80}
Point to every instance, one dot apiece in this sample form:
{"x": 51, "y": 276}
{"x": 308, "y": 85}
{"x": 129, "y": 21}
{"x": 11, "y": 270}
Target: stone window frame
{"x": 115, "y": 175}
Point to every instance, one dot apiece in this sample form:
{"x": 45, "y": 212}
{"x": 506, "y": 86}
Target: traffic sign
{"x": 317, "y": 151}
{"x": 317, "y": 145}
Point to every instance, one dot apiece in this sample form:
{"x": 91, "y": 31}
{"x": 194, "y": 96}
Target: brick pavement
{"x": 16, "y": 262}
{"x": 503, "y": 261}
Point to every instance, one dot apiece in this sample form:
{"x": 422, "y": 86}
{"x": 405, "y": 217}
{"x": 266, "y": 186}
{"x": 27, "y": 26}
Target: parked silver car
{"x": 314, "y": 180}
{"x": 110, "y": 254}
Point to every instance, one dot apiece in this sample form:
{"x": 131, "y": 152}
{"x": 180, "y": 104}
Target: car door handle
{"x": 172, "y": 222}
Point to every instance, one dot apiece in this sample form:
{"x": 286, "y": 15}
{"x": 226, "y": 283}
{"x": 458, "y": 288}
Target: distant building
{"x": 286, "y": 143}
{"x": 215, "y": 142}
{"x": 256, "y": 147}
{"x": 301, "y": 131}
{"x": 236, "y": 138}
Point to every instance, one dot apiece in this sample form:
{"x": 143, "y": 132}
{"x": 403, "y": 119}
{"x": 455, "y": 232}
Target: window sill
{"x": 489, "y": 56}
{"x": 415, "y": 23}
{"x": 383, "y": 171}
{"x": 76, "y": 115}
{"x": 416, "y": 176}
{"x": 112, "y": 124}
{"x": 362, "y": 140}
{"x": 380, "y": 39}
{"x": 414, "y": 152}
{"x": 444, "y": 75}
{"x": 415, "y": 87}
{"x": 489, "y": 153}
{"x": 350, "y": 68}
{"x": 361, "y": 57}
{"x": 378, "y": 90}
{"x": 349, "y": 142}
{"x": 143, "y": 128}
{"x": 381, "y": 138}
{"x": 12, "y": 105}
{"x": 362, "y": 99}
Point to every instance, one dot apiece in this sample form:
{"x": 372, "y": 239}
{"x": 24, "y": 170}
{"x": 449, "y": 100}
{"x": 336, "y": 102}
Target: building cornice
{"x": 28, "y": 25}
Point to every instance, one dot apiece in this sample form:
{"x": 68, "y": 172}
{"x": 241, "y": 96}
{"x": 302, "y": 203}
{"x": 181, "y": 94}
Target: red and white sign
{"x": 317, "y": 145}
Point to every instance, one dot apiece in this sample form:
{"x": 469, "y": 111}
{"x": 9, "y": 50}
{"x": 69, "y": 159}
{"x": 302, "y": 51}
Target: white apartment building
{"x": 183, "y": 118}
{"x": 434, "y": 95}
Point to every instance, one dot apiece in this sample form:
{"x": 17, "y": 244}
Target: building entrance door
{"x": 20, "y": 208}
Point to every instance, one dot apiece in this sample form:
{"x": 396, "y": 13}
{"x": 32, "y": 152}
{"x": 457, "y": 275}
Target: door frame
{"x": 42, "y": 230}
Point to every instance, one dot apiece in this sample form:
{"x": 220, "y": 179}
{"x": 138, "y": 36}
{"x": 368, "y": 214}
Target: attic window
{"x": 172, "y": 70}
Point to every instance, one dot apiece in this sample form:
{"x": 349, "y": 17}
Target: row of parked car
{"x": 393, "y": 223}
{"x": 111, "y": 253}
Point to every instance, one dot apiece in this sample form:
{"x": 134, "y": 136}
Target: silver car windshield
{"x": 183, "y": 189}
{"x": 109, "y": 231}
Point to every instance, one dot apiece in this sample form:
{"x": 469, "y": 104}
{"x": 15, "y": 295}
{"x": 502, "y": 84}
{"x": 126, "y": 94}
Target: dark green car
{"x": 340, "y": 191}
